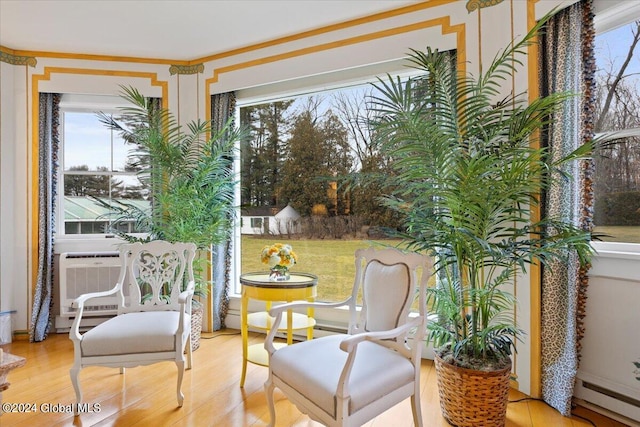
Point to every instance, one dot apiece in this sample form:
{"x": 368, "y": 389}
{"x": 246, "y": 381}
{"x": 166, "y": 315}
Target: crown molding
{"x": 12, "y": 59}
{"x": 480, "y": 4}
{"x": 186, "y": 69}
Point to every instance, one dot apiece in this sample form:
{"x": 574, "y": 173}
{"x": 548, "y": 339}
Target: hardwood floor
{"x": 145, "y": 396}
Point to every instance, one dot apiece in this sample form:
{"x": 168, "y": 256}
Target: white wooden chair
{"x": 348, "y": 379}
{"x": 153, "y": 323}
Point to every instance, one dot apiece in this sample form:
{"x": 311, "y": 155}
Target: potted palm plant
{"x": 467, "y": 173}
{"x": 189, "y": 180}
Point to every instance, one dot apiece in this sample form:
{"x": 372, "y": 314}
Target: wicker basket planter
{"x": 197, "y": 311}
{"x": 470, "y": 398}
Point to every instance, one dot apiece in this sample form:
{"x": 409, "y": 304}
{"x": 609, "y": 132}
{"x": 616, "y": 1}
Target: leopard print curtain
{"x": 566, "y": 56}
{"x": 49, "y": 119}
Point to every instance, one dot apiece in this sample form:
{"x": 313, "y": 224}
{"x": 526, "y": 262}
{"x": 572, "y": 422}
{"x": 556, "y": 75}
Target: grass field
{"x": 620, "y": 233}
{"x": 331, "y": 260}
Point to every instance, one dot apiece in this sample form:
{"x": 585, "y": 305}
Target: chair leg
{"x": 417, "y": 411}
{"x": 189, "y": 351}
{"x": 74, "y": 372}
{"x": 269, "y": 387}
{"x": 180, "y": 365}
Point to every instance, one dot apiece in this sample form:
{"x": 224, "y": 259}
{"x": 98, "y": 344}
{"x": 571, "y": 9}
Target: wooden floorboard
{"x": 145, "y": 396}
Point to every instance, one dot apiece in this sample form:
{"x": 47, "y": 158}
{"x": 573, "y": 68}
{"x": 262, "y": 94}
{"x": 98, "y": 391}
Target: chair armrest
{"x": 79, "y": 302}
{"x": 349, "y": 344}
{"x": 184, "y": 295}
{"x": 184, "y": 299}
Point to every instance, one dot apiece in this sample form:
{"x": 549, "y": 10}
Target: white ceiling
{"x": 167, "y": 29}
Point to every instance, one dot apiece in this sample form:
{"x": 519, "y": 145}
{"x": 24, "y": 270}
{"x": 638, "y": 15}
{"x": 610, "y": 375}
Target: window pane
{"x": 129, "y": 187}
{"x": 89, "y": 185}
{"x": 72, "y": 227}
{"x": 617, "y": 181}
{"x": 295, "y": 166}
{"x": 87, "y": 143}
{"x": 617, "y": 192}
{"x": 89, "y": 216}
{"x": 121, "y": 155}
{"x": 97, "y": 163}
{"x": 96, "y": 227}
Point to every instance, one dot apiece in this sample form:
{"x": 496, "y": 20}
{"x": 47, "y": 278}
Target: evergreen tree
{"x": 262, "y": 152}
{"x": 317, "y": 155}
{"x": 87, "y": 185}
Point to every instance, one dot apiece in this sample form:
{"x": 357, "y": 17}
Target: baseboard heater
{"x": 621, "y": 405}
{"x": 613, "y": 394}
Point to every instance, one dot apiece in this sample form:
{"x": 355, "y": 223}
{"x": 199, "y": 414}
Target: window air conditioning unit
{"x": 83, "y": 272}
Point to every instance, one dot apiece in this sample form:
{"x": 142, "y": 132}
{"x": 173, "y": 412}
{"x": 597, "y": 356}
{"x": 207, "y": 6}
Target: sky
{"x": 612, "y": 47}
{"x": 88, "y": 142}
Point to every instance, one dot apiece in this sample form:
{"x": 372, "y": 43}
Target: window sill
{"x": 86, "y": 244}
{"x": 616, "y": 261}
{"x": 610, "y": 249}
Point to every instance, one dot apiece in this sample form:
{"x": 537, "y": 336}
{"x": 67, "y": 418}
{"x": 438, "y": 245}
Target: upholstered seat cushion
{"x": 313, "y": 368}
{"x": 144, "y": 332}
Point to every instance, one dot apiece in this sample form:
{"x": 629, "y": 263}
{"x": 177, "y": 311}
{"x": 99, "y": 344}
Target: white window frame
{"x": 609, "y": 18}
{"x": 282, "y": 91}
{"x": 328, "y": 320}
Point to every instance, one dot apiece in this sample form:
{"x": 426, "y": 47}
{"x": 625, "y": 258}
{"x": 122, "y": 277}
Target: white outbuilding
{"x": 262, "y": 220}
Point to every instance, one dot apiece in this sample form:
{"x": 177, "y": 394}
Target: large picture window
{"x": 302, "y": 170}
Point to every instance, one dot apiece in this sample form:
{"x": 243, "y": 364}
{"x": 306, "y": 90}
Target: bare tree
{"x": 612, "y": 80}
{"x": 352, "y": 109}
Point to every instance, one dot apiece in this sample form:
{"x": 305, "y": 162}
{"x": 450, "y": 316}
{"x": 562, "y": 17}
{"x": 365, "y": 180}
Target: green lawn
{"x": 619, "y": 233}
{"x": 331, "y": 260}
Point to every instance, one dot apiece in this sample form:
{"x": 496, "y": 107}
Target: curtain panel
{"x": 223, "y": 108}
{"x": 567, "y": 64}
{"x": 49, "y": 139}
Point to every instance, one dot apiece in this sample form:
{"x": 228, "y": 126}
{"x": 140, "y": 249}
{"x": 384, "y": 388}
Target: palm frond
{"x": 466, "y": 174}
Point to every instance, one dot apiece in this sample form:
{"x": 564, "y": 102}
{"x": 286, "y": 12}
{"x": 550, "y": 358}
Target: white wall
{"x": 13, "y": 194}
{"x": 7, "y": 118}
{"x": 611, "y": 343}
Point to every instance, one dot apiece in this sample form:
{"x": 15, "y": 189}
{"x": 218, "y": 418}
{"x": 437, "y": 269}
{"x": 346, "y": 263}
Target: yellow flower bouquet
{"x": 279, "y": 257}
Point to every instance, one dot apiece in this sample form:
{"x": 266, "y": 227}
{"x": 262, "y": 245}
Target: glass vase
{"x": 279, "y": 275}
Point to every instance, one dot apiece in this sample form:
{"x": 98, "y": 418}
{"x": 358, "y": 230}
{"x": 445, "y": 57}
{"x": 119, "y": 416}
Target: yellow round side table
{"x": 299, "y": 287}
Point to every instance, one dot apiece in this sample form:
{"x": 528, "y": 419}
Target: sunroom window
{"x": 94, "y": 163}
{"x": 295, "y": 184}
{"x": 617, "y": 182}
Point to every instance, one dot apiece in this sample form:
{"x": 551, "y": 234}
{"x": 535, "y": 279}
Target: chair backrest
{"x": 155, "y": 273}
{"x": 389, "y": 281}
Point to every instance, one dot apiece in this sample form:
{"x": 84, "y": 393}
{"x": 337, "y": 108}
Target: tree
{"x": 98, "y": 185}
{"x": 351, "y": 108}
{"x": 262, "y": 152}
{"x": 187, "y": 171}
{"x": 317, "y": 155}
{"x": 367, "y": 181}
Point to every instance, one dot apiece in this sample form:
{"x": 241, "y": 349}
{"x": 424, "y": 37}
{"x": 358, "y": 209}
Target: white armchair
{"x": 348, "y": 379}
{"x": 153, "y": 323}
